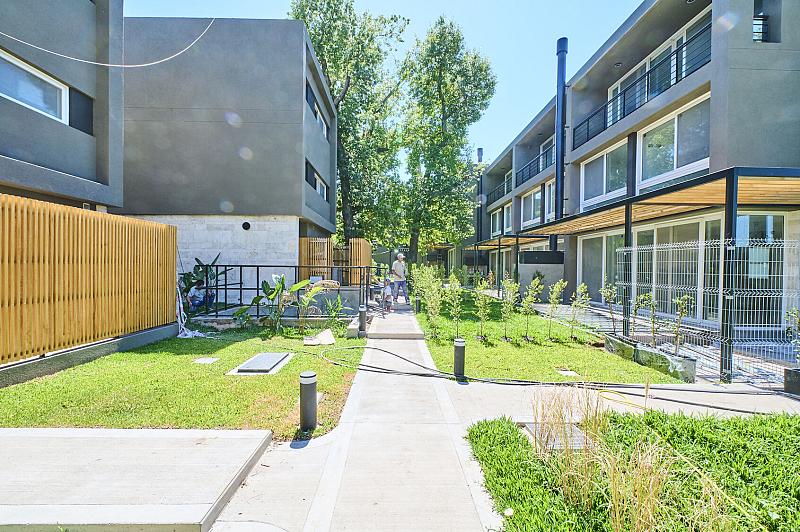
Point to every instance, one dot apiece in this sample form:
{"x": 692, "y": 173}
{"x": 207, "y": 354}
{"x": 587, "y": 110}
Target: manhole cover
{"x": 262, "y": 363}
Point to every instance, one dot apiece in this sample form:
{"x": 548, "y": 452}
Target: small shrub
{"x": 509, "y": 304}
{"x": 334, "y": 308}
{"x": 532, "y": 296}
{"x": 554, "y": 299}
{"x": 793, "y": 317}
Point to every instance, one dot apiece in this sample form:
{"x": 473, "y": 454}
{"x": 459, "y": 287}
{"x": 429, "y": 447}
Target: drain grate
{"x": 263, "y": 363}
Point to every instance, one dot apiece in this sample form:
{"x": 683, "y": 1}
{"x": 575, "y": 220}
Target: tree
{"x": 449, "y": 87}
{"x": 554, "y": 299}
{"x": 609, "y": 293}
{"x": 579, "y": 302}
{"x": 353, "y": 50}
{"x": 483, "y": 306}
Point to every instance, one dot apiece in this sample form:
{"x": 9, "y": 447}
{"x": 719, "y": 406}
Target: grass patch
{"x": 539, "y": 359}
{"x": 634, "y": 477}
{"x": 159, "y": 386}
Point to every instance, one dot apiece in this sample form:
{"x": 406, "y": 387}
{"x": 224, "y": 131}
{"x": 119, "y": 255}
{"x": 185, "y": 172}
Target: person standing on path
{"x": 399, "y": 271}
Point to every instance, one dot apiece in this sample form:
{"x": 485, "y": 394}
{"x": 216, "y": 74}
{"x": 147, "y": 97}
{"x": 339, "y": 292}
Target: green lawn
{"x": 159, "y": 385}
{"x": 749, "y": 475}
{"x": 539, "y": 359}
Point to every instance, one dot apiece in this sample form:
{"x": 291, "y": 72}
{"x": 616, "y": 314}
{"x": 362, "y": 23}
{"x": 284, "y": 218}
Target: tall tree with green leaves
{"x": 449, "y": 87}
{"x": 354, "y": 50}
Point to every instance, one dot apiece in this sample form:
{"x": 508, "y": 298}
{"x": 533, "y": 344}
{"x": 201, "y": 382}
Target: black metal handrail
{"x": 234, "y": 286}
{"x": 538, "y": 164}
{"x": 499, "y": 191}
{"x": 684, "y": 60}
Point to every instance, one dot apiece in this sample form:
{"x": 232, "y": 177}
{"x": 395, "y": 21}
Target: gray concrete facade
{"x": 752, "y": 89}
{"x": 225, "y": 129}
{"x": 59, "y": 159}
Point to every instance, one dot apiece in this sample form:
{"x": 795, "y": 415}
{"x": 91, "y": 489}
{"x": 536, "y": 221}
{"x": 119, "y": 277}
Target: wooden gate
{"x": 319, "y": 257}
{"x": 71, "y": 276}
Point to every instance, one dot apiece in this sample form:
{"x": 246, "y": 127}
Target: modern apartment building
{"x": 60, "y": 119}
{"x": 233, "y": 142}
{"x": 682, "y": 145}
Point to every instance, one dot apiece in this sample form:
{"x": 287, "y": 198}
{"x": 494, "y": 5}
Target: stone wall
{"x": 270, "y": 240}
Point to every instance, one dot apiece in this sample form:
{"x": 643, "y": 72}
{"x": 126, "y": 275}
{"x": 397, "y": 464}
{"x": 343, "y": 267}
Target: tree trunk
{"x": 413, "y": 245}
{"x": 344, "y": 190}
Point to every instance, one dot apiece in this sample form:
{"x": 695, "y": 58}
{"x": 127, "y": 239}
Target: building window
{"x": 316, "y": 182}
{"x": 549, "y": 200}
{"x": 495, "y": 222}
{"x": 27, "y": 86}
{"x": 676, "y": 146}
{"x": 605, "y": 176}
{"x": 507, "y": 220}
{"x": 767, "y": 20}
{"x": 319, "y": 117}
{"x": 531, "y": 208}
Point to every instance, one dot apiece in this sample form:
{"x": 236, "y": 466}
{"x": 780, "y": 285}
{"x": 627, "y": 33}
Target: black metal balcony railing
{"x": 760, "y": 28}
{"x": 686, "y": 59}
{"x": 499, "y": 191}
{"x": 542, "y": 161}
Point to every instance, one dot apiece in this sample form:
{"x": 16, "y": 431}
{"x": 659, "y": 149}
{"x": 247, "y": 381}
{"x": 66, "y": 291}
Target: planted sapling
{"x": 609, "y": 293}
{"x": 554, "y": 299}
{"x": 579, "y": 303}
{"x": 509, "y": 304}
{"x": 682, "y": 306}
{"x": 483, "y": 305}
{"x": 455, "y": 299}
{"x": 532, "y": 296}
{"x": 646, "y": 302}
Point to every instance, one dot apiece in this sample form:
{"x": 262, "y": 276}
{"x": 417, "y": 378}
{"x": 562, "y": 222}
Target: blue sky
{"x": 518, "y": 36}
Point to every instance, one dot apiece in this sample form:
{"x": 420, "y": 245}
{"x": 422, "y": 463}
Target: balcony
{"x": 538, "y": 164}
{"x": 760, "y": 28}
{"x": 686, "y": 59}
{"x": 499, "y": 191}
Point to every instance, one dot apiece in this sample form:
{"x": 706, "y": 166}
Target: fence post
{"x": 728, "y": 318}
{"x": 627, "y": 258}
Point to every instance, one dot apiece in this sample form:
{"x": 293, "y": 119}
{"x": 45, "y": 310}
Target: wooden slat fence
{"x": 322, "y": 253}
{"x": 71, "y": 276}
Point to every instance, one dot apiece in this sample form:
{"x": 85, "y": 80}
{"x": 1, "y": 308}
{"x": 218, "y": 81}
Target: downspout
{"x": 561, "y": 135}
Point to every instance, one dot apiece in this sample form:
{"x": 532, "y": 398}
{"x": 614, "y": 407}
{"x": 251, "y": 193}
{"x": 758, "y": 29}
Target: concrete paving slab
{"x": 119, "y": 479}
{"x": 398, "y": 325}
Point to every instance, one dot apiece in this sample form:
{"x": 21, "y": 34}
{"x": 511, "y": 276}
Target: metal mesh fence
{"x": 715, "y": 293}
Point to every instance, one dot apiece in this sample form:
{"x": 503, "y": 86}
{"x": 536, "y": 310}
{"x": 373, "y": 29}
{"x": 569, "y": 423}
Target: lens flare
{"x": 233, "y": 119}
{"x": 245, "y": 153}
{"x": 226, "y": 206}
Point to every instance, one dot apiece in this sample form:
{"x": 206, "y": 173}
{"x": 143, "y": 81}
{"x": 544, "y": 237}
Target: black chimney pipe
{"x": 561, "y": 123}
{"x": 561, "y": 134}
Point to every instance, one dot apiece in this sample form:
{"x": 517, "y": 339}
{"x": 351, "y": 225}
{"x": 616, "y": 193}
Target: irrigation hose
{"x": 602, "y": 387}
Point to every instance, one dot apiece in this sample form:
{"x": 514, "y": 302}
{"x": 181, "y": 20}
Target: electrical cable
{"x": 111, "y": 65}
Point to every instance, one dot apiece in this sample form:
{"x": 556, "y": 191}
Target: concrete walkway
{"x": 398, "y": 459}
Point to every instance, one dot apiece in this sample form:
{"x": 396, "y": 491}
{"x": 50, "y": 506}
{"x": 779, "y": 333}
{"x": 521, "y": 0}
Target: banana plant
{"x": 304, "y": 303}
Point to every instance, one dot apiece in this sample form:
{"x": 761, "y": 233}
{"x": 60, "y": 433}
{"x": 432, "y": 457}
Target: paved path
{"x": 398, "y": 459}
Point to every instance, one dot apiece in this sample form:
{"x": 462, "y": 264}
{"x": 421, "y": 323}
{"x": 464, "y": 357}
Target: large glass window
{"x": 532, "y": 207}
{"x": 693, "y": 133}
{"x": 495, "y": 219}
{"x": 591, "y": 275}
{"x": 617, "y": 168}
{"x": 605, "y": 174}
{"x": 658, "y": 150}
{"x": 25, "y": 85}
{"x": 593, "y": 178}
{"x": 613, "y": 243}
{"x": 507, "y": 221}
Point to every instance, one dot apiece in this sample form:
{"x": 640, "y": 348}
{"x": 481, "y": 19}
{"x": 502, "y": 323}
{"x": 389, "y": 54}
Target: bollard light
{"x": 459, "y": 349}
{"x": 417, "y": 305}
{"x": 308, "y": 400}
{"x": 362, "y": 321}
